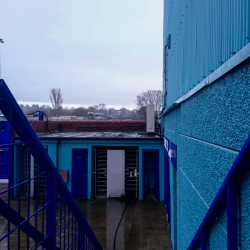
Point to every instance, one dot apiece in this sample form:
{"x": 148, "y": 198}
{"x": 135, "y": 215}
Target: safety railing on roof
{"x": 37, "y": 211}
{"x": 227, "y": 196}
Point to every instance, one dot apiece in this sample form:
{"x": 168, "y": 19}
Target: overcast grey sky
{"x": 96, "y": 51}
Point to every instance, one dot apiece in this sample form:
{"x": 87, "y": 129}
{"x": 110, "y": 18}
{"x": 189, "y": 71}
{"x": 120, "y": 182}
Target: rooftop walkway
{"x": 143, "y": 227}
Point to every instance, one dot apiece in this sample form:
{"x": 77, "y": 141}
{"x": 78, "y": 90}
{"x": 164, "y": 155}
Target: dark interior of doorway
{"x": 150, "y": 175}
{"x": 99, "y": 171}
{"x": 40, "y": 183}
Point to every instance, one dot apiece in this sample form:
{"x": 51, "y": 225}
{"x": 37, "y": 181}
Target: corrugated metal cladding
{"x": 199, "y": 36}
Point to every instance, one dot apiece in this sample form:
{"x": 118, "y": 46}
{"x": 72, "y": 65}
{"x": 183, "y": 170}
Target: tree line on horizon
{"x": 56, "y": 109}
{"x": 80, "y": 111}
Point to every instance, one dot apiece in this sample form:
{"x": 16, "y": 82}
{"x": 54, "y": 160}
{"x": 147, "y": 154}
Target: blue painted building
{"x": 82, "y": 157}
{"x": 38, "y": 223}
{"x": 205, "y": 119}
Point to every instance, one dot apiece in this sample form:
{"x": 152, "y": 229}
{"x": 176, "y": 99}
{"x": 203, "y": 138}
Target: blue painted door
{"x": 4, "y": 163}
{"x": 6, "y": 133}
{"x": 79, "y": 180}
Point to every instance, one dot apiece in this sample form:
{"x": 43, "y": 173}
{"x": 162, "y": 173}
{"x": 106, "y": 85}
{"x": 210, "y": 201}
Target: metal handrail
{"x": 55, "y": 194}
{"x": 227, "y": 195}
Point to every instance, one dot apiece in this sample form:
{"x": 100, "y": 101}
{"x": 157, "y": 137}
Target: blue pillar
{"x": 51, "y": 210}
{"x": 204, "y": 239}
{"x": 232, "y": 200}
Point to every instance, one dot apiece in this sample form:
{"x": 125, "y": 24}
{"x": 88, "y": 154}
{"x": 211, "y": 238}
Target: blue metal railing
{"x": 50, "y": 217}
{"x": 227, "y": 196}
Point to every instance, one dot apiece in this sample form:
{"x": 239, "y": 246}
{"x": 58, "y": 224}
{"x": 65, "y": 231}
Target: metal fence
{"x": 49, "y": 218}
{"x": 198, "y": 38}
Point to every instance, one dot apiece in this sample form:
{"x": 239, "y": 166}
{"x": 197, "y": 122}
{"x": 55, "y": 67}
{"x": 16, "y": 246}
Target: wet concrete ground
{"x": 143, "y": 227}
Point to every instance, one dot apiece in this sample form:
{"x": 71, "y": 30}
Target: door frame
{"x": 93, "y": 162}
{"x": 80, "y": 149}
{"x": 157, "y": 179}
{"x": 167, "y": 186}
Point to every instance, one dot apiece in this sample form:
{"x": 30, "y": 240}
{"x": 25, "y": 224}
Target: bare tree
{"x": 102, "y": 106}
{"x": 56, "y": 99}
{"x": 150, "y": 97}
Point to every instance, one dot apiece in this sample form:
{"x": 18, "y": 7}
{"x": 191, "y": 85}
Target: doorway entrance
{"x": 115, "y": 173}
{"x": 106, "y": 162}
{"x": 151, "y": 174}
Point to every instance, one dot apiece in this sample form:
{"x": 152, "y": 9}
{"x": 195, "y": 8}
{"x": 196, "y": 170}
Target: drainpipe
{"x": 57, "y": 154}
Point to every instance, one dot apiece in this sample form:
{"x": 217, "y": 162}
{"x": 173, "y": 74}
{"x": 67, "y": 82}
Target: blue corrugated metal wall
{"x": 204, "y": 35}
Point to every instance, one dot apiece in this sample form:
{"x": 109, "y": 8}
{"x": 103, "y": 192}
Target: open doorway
{"x": 103, "y": 166}
{"x": 151, "y": 175}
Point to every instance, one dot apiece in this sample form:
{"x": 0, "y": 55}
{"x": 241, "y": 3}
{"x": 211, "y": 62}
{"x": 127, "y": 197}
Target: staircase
{"x": 50, "y": 218}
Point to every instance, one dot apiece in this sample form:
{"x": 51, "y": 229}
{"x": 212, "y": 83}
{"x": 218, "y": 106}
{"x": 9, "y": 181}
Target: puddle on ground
{"x": 143, "y": 226}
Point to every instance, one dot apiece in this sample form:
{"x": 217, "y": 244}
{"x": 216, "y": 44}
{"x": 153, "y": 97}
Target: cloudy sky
{"x": 96, "y": 51}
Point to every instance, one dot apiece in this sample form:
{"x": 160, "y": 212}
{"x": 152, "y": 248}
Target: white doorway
{"x": 115, "y": 173}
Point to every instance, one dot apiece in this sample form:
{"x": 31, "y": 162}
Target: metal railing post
{"x": 51, "y": 210}
{"x": 81, "y": 236}
{"x": 204, "y": 238}
{"x": 232, "y": 203}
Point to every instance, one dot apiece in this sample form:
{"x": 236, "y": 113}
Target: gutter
{"x": 230, "y": 64}
{"x": 168, "y": 110}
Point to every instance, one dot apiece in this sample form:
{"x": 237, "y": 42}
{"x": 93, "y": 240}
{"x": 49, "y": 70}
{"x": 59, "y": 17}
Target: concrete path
{"x": 143, "y": 227}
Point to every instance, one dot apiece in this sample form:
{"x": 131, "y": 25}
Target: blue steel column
{"x": 19, "y": 177}
{"x": 81, "y": 236}
{"x": 204, "y": 238}
{"x": 141, "y": 172}
{"x": 51, "y": 210}
{"x": 11, "y": 164}
{"x": 232, "y": 198}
